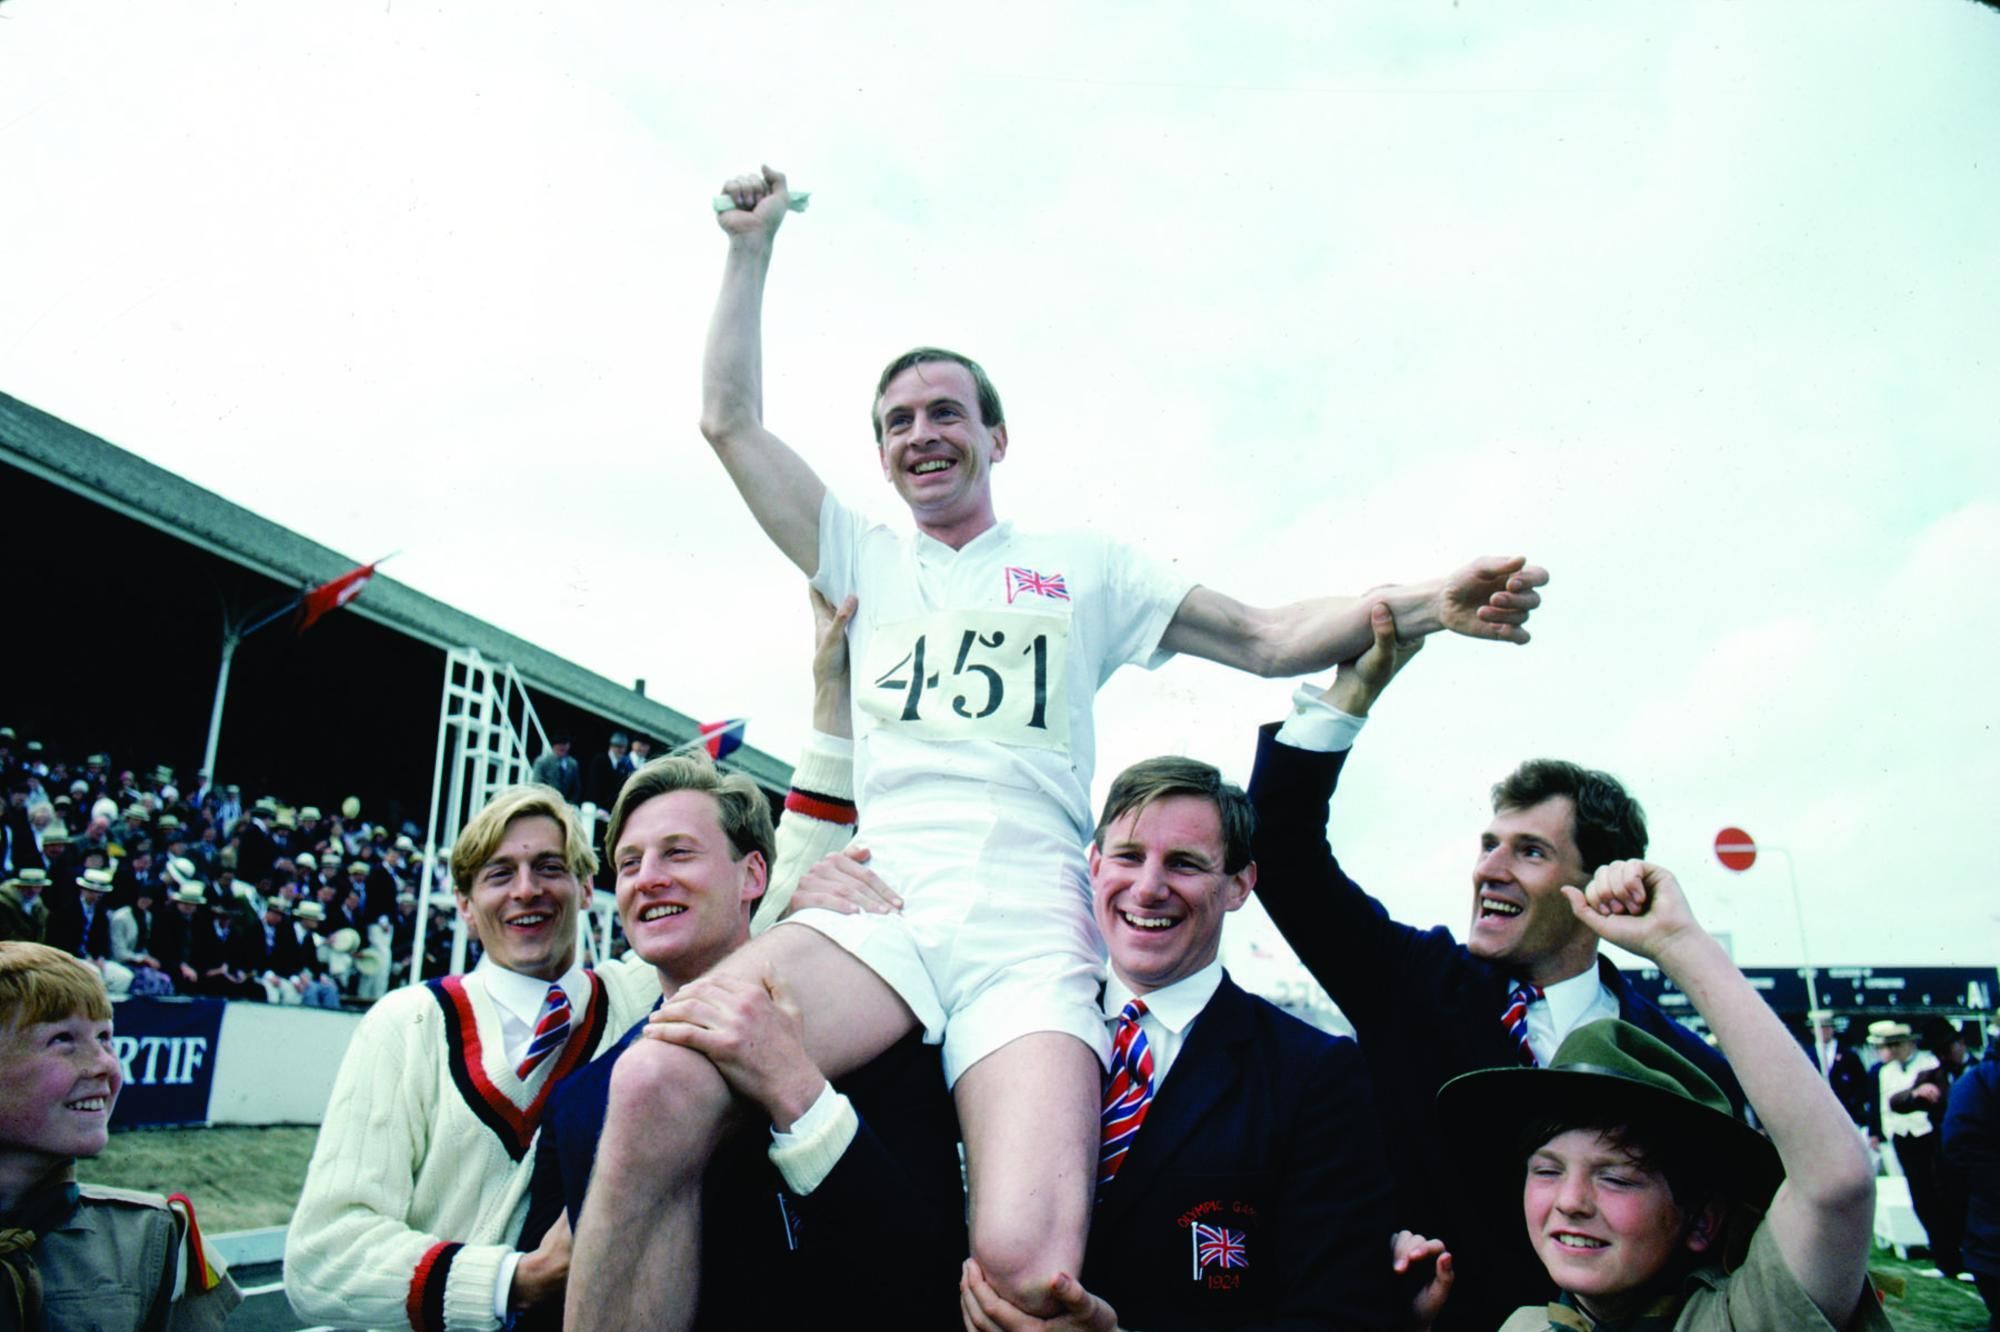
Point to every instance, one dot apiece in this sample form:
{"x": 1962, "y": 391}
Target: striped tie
{"x": 1127, "y": 1092}
{"x": 550, "y": 1032}
{"x": 1515, "y": 1020}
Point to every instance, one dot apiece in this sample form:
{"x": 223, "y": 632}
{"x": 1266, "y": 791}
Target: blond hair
{"x": 43, "y": 984}
{"x": 482, "y": 837}
{"x": 740, "y": 806}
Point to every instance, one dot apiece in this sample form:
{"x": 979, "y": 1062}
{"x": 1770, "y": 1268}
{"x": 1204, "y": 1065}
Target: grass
{"x": 1927, "y": 1304}
{"x": 244, "y": 1178}
{"x": 239, "y": 1178}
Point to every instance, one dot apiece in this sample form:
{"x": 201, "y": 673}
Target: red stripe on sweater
{"x": 824, "y": 808}
{"x": 582, "y": 1042}
{"x": 413, "y": 1305}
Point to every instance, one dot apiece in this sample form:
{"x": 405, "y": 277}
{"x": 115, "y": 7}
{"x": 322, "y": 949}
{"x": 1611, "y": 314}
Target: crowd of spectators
{"x": 167, "y": 889}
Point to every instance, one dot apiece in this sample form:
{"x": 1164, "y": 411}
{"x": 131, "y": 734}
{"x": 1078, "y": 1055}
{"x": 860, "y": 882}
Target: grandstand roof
{"x": 103, "y": 473}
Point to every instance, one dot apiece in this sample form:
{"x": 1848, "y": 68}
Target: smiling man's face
{"x": 934, "y": 448}
{"x": 1520, "y": 918}
{"x": 683, "y": 891}
{"x": 523, "y": 901}
{"x": 1160, "y": 890}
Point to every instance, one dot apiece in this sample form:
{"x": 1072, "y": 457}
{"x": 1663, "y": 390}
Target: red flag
{"x": 330, "y": 597}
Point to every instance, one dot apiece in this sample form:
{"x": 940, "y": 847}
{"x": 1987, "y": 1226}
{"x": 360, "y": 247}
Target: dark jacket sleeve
{"x": 1374, "y": 967}
{"x": 1971, "y": 1143}
{"x": 896, "y": 1190}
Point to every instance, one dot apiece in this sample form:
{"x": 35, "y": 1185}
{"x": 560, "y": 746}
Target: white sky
{"x": 1695, "y": 304}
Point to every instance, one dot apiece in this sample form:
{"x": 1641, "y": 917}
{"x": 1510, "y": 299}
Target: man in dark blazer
{"x": 1427, "y": 1008}
{"x": 1248, "y": 1189}
{"x": 820, "y": 1181}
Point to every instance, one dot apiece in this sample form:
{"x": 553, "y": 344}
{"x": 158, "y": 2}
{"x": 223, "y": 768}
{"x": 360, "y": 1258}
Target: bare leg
{"x": 1029, "y": 1115}
{"x": 637, "y": 1254}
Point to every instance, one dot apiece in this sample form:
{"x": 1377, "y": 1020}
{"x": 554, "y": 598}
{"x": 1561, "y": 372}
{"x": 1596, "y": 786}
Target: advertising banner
{"x": 168, "y": 1049}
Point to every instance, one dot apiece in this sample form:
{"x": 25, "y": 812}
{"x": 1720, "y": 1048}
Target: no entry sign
{"x": 1734, "y": 849}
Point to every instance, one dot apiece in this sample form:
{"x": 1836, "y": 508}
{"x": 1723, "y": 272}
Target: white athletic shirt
{"x": 1015, "y": 634}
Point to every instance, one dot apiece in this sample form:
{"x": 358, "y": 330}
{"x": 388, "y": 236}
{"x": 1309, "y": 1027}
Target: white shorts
{"x": 995, "y": 939}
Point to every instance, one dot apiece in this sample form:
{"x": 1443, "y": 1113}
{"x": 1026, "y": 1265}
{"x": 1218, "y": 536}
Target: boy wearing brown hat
{"x": 1635, "y": 1181}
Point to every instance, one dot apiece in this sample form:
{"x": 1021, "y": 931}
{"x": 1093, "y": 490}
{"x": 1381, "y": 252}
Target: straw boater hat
{"x": 36, "y": 879}
{"x": 95, "y": 881}
{"x": 190, "y": 893}
{"x": 309, "y": 812}
{"x": 181, "y": 873}
{"x": 310, "y": 910}
{"x": 286, "y": 819}
{"x": 344, "y": 940}
{"x": 305, "y": 860}
{"x": 1888, "y": 1032}
{"x": 1612, "y": 1072}
{"x": 350, "y": 808}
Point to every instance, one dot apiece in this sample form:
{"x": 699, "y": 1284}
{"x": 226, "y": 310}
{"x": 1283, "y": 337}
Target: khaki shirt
{"x": 121, "y": 1262}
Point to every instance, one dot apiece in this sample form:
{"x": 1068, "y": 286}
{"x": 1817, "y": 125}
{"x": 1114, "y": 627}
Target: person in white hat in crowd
{"x": 178, "y": 929}
{"x": 132, "y": 931}
{"x": 62, "y": 864}
{"x": 228, "y": 954}
{"x": 82, "y": 928}
{"x": 1911, "y": 1135}
{"x": 282, "y": 955}
{"x": 316, "y": 988}
{"x": 23, "y": 913}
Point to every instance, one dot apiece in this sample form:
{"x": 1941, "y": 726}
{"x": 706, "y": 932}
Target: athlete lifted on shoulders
{"x": 977, "y": 652}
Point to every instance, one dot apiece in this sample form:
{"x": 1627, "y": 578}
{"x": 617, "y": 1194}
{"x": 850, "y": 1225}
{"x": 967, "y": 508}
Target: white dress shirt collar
{"x": 520, "y": 999}
{"x": 1170, "y": 1011}
{"x": 1565, "y": 1006}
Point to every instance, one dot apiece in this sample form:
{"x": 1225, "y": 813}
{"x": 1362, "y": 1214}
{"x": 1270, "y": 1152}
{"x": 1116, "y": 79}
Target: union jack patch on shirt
{"x": 1217, "y": 1247}
{"x": 1028, "y": 583}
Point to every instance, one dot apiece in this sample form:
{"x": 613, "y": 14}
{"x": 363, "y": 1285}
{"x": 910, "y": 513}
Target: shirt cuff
{"x": 807, "y": 1154}
{"x": 1317, "y": 725}
{"x": 503, "y": 1285}
{"x": 833, "y": 746}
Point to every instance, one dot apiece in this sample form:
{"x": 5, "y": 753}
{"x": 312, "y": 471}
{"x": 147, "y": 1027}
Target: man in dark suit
{"x": 1241, "y": 1182}
{"x": 846, "y": 1174}
{"x": 607, "y": 773}
{"x": 1427, "y": 1008}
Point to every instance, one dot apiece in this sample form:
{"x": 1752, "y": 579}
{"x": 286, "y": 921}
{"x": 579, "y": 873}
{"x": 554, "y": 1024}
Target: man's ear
{"x": 882, "y": 453}
{"x": 756, "y": 876}
{"x": 999, "y": 441}
{"x": 1706, "y": 1228}
{"x": 1237, "y": 890}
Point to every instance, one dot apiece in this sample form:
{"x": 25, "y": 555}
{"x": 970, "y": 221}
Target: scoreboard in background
{"x": 1905, "y": 991}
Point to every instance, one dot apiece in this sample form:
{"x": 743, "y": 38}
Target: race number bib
{"x": 994, "y": 675}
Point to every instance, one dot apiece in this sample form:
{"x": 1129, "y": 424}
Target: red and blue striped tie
{"x": 1127, "y": 1092}
{"x": 550, "y": 1032}
{"x": 1515, "y": 1020}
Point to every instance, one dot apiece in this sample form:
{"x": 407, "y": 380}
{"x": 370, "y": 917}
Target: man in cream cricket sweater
{"x": 418, "y": 1186}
